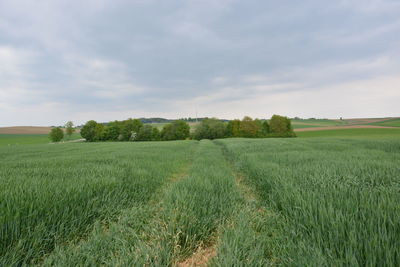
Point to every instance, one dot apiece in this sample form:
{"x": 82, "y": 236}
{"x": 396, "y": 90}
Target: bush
{"x": 280, "y": 126}
{"x": 177, "y": 130}
{"x": 111, "y": 132}
{"x": 233, "y": 128}
{"x": 130, "y": 128}
{"x": 56, "y": 134}
{"x": 92, "y": 131}
{"x": 69, "y": 128}
{"x": 265, "y": 128}
{"x": 145, "y": 133}
{"x": 156, "y": 135}
{"x": 210, "y": 129}
{"x": 250, "y": 128}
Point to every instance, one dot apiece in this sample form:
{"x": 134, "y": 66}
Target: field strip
{"x": 343, "y": 127}
{"x": 184, "y": 229}
{"x": 115, "y": 243}
{"x": 251, "y": 237}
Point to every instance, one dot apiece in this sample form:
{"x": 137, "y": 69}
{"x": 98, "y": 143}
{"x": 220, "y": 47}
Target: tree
{"x": 281, "y": 126}
{"x": 155, "y": 135}
{"x": 56, "y": 134}
{"x": 130, "y": 129}
{"x": 112, "y": 131}
{"x": 177, "y": 130}
{"x": 145, "y": 133}
{"x": 233, "y": 128}
{"x": 265, "y": 128}
{"x": 210, "y": 129}
{"x": 249, "y": 128}
{"x": 99, "y": 132}
{"x": 88, "y": 131}
{"x": 69, "y": 128}
{"x": 260, "y": 129}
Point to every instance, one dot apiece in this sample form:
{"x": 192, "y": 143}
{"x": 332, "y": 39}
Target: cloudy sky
{"x": 114, "y": 59}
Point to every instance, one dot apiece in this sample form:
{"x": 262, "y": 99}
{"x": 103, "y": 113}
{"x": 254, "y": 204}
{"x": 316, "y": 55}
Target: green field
{"x": 358, "y": 133}
{"x": 388, "y": 123}
{"x": 235, "y": 202}
{"x": 309, "y": 123}
{"x": 28, "y": 139}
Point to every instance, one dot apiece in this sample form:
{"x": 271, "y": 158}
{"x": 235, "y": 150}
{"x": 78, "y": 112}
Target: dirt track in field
{"x": 342, "y": 127}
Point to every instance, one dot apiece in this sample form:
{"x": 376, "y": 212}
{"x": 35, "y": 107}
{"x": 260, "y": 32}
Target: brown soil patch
{"x": 340, "y": 127}
{"x": 25, "y": 130}
{"x": 200, "y": 258}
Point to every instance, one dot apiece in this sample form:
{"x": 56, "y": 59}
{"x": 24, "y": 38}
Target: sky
{"x": 115, "y": 59}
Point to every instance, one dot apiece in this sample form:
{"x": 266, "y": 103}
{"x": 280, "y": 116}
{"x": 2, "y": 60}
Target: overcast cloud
{"x": 107, "y": 60}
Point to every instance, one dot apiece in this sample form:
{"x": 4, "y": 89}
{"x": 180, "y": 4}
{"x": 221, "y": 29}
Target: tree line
{"x": 135, "y": 130}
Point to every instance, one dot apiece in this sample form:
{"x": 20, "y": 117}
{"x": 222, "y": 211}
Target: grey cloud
{"x": 149, "y": 57}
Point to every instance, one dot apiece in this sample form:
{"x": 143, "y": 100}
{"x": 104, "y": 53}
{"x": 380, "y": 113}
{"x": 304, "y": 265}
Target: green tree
{"x": 177, "y": 130}
{"x": 155, "y": 135}
{"x": 69, "y": 128}
{"x": 99, "y": 132}
{"x": 260, "y": 129}
{"x": 281, "y": 126}
{"x": 56, "y": 134}
{"x": 233, "y": 128}
{"x": 265, "y": 128}
{"x": 210, "y": 129}
{"x": 145, "y": 133}
{"x": 249, "y": 128}
{"x": 88, "y": 131}
{"x": 112, "y": 131}
{"x": 130, "y": 129}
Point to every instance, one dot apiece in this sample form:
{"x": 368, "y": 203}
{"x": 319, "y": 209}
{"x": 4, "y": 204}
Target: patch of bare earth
{"x": 25, "y": 130}
{"x": 200, "y": 258}
{"x": 340, "y": 127}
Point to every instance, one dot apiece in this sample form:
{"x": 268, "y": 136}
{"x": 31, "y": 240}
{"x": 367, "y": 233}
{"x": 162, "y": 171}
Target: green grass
{"x": 316, "y": 123}
{"x": 339, "y": 199}
{"x": 190, "y": 210}
{"x": 29, "y": 139}
{"x": 300, "y": 126}
{"x": 356, "y": 133}
{"x": 254, "y": 202}
{"x": 53, "y": 194}
{"x": 388, "y": 123}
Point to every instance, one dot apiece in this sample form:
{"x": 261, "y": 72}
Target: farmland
{"x": 28, "y": 139}
{"x": 325, "y": 198}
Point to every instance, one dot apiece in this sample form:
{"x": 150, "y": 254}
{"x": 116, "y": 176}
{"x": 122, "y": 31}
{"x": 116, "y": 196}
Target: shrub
{"x": 265, "y": 128}
{"x": 56, "y": 134}
{"x": 130, "y": 128}
{"x": 233, "y": 128}
{"x": 69, "y": 128}
{"x": 111, "y": 133}
{"x": 145, "y": 133}
{"x": 249, "y": 128}
{"x": 210, "y": 129}
{"x": 177, "y": 130}
{"x": 280, "y": 126}
{"x": 156, "y": 136}
{"x": 88, "y": 131}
